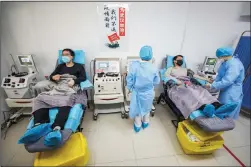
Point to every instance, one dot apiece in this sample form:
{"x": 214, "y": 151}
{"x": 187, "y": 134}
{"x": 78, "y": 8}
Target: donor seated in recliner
{"x": 62, "y": 93}
{"x": 188, "y": 95}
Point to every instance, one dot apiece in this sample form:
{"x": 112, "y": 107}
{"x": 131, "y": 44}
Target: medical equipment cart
{"x": 107, "y": 80}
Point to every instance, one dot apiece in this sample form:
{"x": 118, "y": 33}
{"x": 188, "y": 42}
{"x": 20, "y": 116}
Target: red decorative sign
{"x": 113, "y": 37}
{"x": 113, "y": 26}
{"x": 121, "y": 21}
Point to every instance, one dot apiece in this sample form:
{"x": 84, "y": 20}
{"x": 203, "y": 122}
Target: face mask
{"x": 66, "y": 59}
{"x": 179, "y": 62}
{"x": 221, "y": 60}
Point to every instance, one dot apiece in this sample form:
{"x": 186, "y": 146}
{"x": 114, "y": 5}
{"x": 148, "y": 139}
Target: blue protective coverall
{"x": 141, "y": 79}
{"x": 229, "y": 82}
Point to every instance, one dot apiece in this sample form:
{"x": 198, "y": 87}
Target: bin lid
{"x": 202, "y": 135}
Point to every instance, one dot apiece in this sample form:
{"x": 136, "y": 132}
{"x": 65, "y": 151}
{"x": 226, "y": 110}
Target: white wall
{"x": 3, "y": 105}
{"x": 211, "y": 25}
{"x": 194, "y": 29}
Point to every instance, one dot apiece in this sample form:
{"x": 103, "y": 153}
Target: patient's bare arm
{"x": 199, "y": 77}
{"x": 191, "y": 74}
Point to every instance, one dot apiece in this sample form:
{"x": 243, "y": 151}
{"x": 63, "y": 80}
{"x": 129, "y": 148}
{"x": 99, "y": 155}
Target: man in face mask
{"x": 179, "y": 70}
{"x": 178, "y": 61}
{"x": 69, "y": 67}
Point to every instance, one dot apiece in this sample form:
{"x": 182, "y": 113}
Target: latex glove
{"x": 56, "y": 77}
{"x": 129, "y": 91}
{"x": 210, "y": 80}
{"x": 71, "y": 83}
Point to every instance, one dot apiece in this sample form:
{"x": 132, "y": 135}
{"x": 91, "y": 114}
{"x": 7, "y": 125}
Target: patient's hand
{"x": 179, "y": 82}
{"x": 208, "y": 86}
{"x": 71, "y": 83}
{"x": 56, "y": 77}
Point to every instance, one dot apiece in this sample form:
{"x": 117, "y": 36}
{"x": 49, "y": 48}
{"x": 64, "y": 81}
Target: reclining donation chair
{"x": 214, "y": 124}
{"x": 75, "y": 118}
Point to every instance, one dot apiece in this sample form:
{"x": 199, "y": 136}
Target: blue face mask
{"x": 66, "y": 59}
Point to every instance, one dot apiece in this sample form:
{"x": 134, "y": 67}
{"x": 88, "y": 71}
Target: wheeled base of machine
{"x": 107, "y": 109}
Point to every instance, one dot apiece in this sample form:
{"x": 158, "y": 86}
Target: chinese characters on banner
{"x": 113, "y": 26}
{"x": 121, "y": 21}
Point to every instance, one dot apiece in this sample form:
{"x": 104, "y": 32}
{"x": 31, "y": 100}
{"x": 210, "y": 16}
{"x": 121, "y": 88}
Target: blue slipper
{"x": 53, "y": 138}
{"x": 225, "y": 110}
{"x": 35, "y": 133}
{"x": 145, "y": 125}
{"x": 136, "y": 129}
{"x": 209, "y": 110}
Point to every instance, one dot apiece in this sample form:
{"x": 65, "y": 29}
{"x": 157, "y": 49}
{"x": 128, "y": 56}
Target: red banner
{"x": 113, "y": 37}
{"x": 121, "y": 21}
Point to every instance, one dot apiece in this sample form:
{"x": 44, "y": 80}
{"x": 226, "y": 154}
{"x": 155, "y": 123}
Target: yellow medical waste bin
{"x": 73, "y": 153}
{"x": 198, "y": 132}
{"x": 206, "y": 144}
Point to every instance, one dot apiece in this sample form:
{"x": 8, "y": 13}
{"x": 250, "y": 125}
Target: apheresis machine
{"x": 209, "y": 67}
{"x": 108, "y": 93}
{"x": 17, "y": 85}
{"x": 130, "y": 59}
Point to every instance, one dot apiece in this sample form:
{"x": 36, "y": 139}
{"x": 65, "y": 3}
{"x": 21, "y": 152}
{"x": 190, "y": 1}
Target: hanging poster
{"x": 113, "y": 23}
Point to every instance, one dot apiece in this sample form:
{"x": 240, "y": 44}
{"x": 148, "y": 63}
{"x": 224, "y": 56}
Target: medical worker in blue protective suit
{"x": 229, "y": 79}
{"x": 141, "y": 79}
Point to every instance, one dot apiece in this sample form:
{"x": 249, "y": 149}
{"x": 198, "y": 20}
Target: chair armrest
{"x": 85, "y": 85}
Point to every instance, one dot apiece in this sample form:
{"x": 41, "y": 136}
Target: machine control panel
{"x": 14, "y": 82}
{"x": 109, "y": 83}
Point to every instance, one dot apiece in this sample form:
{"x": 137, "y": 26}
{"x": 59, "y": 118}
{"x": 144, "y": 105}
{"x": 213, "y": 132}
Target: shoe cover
{"x": 145, "y": 125}
{"x": 53, "y": 138}
{"x": 136, "y": 129}
{"x": 225, "y": 110}
{"x": 209, "y": 110}
{"x": 35, "y": 133}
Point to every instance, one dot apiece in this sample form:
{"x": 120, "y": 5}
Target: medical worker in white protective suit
{"x": 141, "y": 79}
{"x": 229, "y": 79}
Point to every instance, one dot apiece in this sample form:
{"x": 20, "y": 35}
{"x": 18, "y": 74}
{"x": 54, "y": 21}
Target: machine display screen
{"x": 25, "y": 60}
{"x": 211, "y": 61}
{"x": 103, "y": 65}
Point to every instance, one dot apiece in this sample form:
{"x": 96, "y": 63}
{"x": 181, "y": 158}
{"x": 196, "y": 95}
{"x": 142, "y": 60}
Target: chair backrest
{"x": 169, "y": 61}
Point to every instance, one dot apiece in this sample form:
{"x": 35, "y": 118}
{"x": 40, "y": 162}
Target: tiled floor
{"x": 112, "y": 142}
